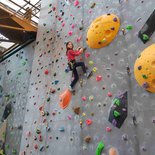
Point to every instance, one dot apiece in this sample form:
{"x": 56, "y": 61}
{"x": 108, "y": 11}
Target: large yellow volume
{"x": 144, "y": 69}
{"x": 102, "y": 31}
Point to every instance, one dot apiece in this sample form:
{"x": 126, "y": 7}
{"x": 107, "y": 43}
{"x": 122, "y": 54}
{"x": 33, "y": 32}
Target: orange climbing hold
{"x": 65, "y": 98}
{"x": 113, "y": 151}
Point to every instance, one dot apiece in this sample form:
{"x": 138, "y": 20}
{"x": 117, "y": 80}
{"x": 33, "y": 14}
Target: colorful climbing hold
{"x": 87, "y": 139}
{"x": 70, "y": 33}
{"x": 89, "y": 122}
{"x": 116, "y": 101}
{"x": 95, "y": 69}
{"x": 100, "y": 148}
{"x": 84, "y": 98}
{"x": 108, "y": 129}
{"x": 76, "y": 3}
{"x": 46, "y": 72}
{"x": 65, "y": 98}
{"x": 91, "y": 62}
{"x": 113, "y": 151}
{"x": 145, "y": 37}
{"x": 116, "y": 113}
{"x": 61, "y": 129}
{"x": 109, "y": 94}
{"x": 129, "y": 27}
{"x": 91, "y": 98}
{"x": 98, "y": 78}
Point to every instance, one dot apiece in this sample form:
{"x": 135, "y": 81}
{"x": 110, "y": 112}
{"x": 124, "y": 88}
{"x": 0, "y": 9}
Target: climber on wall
{"x": 71, "y": 54}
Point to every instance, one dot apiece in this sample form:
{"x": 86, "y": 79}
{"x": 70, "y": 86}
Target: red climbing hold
{"x": 46, "y": 72}
{"x": 76, "y": 3}
{"x": 84, "y": 98}
{"x": 109, "y": 94}
{"x": 89, "y": 121}
{"x": 108, "y": 129}
{"x": 65, "y": 98}
{"x": 87, "y": 55}
{"x": 99, "y": 78}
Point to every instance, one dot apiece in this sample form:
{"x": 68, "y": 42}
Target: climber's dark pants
{"x": 75, "y": 73}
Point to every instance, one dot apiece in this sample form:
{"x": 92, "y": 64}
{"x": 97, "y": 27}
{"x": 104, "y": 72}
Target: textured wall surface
{"x": 14, "y": 79}
{"x": 56, "y": 20}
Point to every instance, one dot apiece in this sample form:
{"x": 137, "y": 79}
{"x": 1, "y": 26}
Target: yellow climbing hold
{"x": 83, "y": 114}
{"x": 144, "y": 69}
{"x": 91, "y": 62}
{"x": 95, "y": 69}
{"x": 102, "y": 31}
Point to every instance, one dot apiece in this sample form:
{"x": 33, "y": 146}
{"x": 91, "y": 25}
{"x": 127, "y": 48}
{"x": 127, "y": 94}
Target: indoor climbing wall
{"x": 14, "y": 81}
{"x": 84, "y": 124}
{"x": 142, "y": 101}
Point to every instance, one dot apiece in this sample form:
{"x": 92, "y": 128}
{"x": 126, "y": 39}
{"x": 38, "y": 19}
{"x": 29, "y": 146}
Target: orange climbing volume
{"x": 102, "y": 31}
{"x": 144, "y": 69}
{"x": 65, "y": 98}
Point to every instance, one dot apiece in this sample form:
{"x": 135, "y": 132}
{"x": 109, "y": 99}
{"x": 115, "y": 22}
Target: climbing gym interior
{"x": 77, "y": 77}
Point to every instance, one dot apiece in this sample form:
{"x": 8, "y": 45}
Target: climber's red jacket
{"x": 71, "y": 54}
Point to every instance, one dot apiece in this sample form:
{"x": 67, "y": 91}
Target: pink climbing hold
{"x": 108, "y": 129}
{"x": 90, "y": 11}
{"x": 73, "y": 26}
{"x": 89, "y": 122}
{"x": 84, "y": 98}
{"x": 79, "y": 39}
{"x": 76, "y": 3}
{"x": 69, "y": 117}
{"x": 99, "y": 78}
{"x": 70, "y": 33}
{"x": 46, "y": 72}
{"x": 87, "y": 55}
{"x": 63, "y": 24}
{"x": 28, "y": 134}
{"x": 109, "y": 94}
{"x": 36, "y": 146}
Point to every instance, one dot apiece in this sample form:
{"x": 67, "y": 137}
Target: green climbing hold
{"x": 3, "y": 134}
{"x": 7, "y": 146}
{"x": 24, "y": 63}
{"x": 144, "y": 76}
{"x": 99, "y": 148}
{"x": 129, "y": 27}
{"x": 14, "y": 151}
{"x": 19, "y": 73}
{"x": 7, "y": 98}
{"x": 116, "y": 113}
{"x": 116, "y": 101}
{"x": 48, "y": 99}
{"x": 38, "y": 131}
{"x": 145, "y": 37}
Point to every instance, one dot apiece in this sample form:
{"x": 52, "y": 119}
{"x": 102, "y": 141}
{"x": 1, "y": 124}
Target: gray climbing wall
{"x": 44, "y": 119}
{"x": 14, "y": 79}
